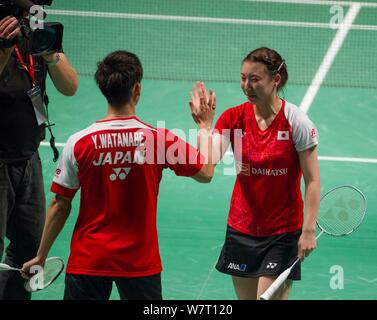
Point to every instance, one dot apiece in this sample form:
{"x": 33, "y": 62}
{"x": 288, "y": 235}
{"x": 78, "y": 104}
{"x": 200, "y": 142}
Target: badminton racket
{"x": 51, "y": 270}
{"x": 342, "y": 210}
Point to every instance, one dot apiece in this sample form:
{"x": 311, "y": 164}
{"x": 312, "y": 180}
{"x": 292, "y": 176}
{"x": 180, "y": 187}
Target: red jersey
{"x": 118, "y": 166}
{"x": 266, "y": 198}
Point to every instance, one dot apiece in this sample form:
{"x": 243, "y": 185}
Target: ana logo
{"x": 271, "y": 265}
{"x": 119, "y": 173}
{"x": 313, "y": 133}
{"x": 283, "y": 135}
{"x": 236, "y": 266}
{"x": 57, "y": 172}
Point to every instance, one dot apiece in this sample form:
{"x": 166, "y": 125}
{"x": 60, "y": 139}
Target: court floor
{"x": 192, "y": 216}
{"x": 196, "y": 40}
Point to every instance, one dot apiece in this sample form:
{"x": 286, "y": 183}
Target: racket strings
{"x": 342, "y": 211}
{"x": 51, "y": 270}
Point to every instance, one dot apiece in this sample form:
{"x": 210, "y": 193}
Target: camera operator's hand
{"x": 9, "y": 27}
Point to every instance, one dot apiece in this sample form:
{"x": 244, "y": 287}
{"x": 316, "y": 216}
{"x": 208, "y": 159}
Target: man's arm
{"x": 57, "y": 214}
{"x": 205, "y": 174}
{"x": 62, "y": 74}
{"x": 203, "y": 110}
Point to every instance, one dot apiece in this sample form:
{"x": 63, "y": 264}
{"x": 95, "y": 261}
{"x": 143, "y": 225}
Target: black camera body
{"x": 44, "y": 40}
{"x": 8, "y": 8}
{"x": 17, "y": 7}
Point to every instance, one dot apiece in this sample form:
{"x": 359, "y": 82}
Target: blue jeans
{"x": 22, "y": 215}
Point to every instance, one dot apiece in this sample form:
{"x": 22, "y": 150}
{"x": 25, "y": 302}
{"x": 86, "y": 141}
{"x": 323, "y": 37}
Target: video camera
{"x": 44, "y": 40}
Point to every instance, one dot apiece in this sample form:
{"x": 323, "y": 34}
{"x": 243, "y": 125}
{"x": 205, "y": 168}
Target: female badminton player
{"x": 274, "y": 144}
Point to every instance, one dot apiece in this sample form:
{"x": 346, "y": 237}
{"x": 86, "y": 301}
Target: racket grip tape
{"x": 275, "y": 285}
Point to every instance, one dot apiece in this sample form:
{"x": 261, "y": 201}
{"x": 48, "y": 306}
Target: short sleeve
{"x": 226, "y": 124}
{"x": 180, "y": 156}
{"x": 304, "y": 132}
{"x": 223, "y": 122}
{"x": 305, "y": 135}
{"x": 65, "y": 182}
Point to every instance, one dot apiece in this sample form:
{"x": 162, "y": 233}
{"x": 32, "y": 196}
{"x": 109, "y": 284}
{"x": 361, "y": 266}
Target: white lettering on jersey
{"x": 118, "y": 139}
{"x": 120, "y": 157}
{"x": 94, "y": 138}
{"x": 269, "y": 172}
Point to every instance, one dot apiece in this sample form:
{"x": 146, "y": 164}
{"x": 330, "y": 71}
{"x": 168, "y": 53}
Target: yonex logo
{"x": 119, "y": 173}
{"x": 236, "y": 266}
{"x": 271, "y": 265}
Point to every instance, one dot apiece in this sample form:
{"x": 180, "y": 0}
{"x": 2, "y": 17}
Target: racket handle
{"x": 5, "y": 267}
{"x": 277, "y": 283}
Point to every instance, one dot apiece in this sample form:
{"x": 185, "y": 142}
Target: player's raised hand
{"x": 202, "y": 105}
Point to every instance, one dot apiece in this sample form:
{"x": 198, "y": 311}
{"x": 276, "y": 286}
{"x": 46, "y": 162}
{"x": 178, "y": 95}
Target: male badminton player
{"x": 117, "y": 163}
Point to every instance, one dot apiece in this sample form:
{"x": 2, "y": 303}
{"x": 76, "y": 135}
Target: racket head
{"x": 52, "y": 268}
{"x": 342, "y": 210}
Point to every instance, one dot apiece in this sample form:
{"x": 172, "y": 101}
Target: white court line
{"x": 57, "y": 144}
{"x": 272, "y": 23}
{"x": 364, "y": 27}
{"x": 368, "y": 280}
{"x": 329, "y": 58}
{"x": 330, "y": 158}
{"x": 318, "y": 2}
{"x": 348, "y": 159}
{"x": 138, "y": 16}
{"x": 206, "y": 282}
{"x": 230, "y": 154}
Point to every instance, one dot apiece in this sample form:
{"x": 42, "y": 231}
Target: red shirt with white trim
{"x": 118, "y": 166}
{"x": 266, "y": 198}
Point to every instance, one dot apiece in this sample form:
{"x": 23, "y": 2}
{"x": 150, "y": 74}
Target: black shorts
{"x": 247, "y": 256}
{"x": 82, "y": 287}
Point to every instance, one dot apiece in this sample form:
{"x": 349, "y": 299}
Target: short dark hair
{"x": 116, "y": 76}
{"x": 272, "y": 60}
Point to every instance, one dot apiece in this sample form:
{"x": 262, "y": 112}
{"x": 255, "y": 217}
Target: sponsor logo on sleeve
{"x": 313, "y": 133}
{"x": 57, "y": 172}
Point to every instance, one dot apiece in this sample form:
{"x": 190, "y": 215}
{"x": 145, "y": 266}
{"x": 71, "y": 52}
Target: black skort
{"x": 244, "y": 255}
